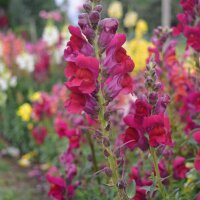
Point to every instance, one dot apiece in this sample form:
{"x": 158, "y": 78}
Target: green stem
{"x": 197, "y": 63}
{"x": 158, "y": 178}
{"x": 112, "y": 160}
{"x": 94, "y": 160}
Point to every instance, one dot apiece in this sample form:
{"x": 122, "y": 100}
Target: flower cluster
{"x": 189, "y": 23}
{"x": 83, "y": 67}
{"x": 147, "y": 116}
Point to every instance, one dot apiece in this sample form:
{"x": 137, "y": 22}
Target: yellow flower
{"x": 189, "y": 65}
{"x": 189, "y": 165}
{"x": 130, "y": 19}
{"x": 45, "y": 166}
{"x": 29, "y": 155}
{"x": 115, "y": 9}
{"x": 35, "y": 96}
{"x": 141, "y": 28}
{"x": 25, "y": 159}
{"x": 138, "y": 50}
{"x": 24, "y": 111}
{"x": 24, "y": 163}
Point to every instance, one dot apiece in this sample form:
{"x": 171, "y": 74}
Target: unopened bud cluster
{"x": 89, "y": 20}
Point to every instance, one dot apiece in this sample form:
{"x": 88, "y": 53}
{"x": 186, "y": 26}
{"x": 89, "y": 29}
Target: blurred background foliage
{"x": 24, "y": 13}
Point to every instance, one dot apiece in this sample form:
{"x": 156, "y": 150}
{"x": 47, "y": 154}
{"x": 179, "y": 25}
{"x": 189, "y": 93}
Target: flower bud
{"x": 94, "y": 17}
{"x": 153, "y": 97}
{"x": 157, "y": 86}
{"x": 106, "y": 116}
{"x": 106, "y": 153}
{"x": 98, "y": 8}
{"x": 83, "y": 15}
{"x": 117, "y": 153}
{"x": 121, "y": 184}
{"x": 108, "y": 172}
{"x": 87, "y": 7}
{"x": 107, "y": 127}
{"x": 106, "y": 142}
{"x": 98, "y": 134}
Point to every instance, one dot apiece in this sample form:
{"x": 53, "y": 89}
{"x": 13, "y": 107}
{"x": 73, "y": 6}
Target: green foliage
{"x": 150, "y": 10}
{"x": 25, "y": 12}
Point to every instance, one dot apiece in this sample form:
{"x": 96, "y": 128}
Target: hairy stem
{"x": 158, "y": 178}
{"x": 112, "y": 160}
{"x": 94, "y": 160}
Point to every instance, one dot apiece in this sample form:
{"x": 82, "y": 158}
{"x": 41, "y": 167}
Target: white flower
{"x": 13, "y": 81}
{"x": 2, "y": 67}
{"x": 58, "y": 53}
{"x": 25, "y": 61}
{"x": 50, "y": 35}
{"x": 3, "y": 84}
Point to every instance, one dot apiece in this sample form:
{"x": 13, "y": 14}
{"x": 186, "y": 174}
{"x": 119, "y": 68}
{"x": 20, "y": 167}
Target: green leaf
{"x": 131, "y": 189}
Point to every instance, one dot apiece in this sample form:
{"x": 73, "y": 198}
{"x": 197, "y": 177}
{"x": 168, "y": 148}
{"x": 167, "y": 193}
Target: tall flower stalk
{"x": 98, "y": 71}
{"x": 153, "y": 88}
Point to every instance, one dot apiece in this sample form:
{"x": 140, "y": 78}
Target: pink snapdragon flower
{"x": 77, "y": 45}
{"x": 179, "y": 168}
{"x": 197, "y": 162}
{"x": 58, "y": 186}
{"x": 39, "y": 134}
{"x": 157, "y": 127}
{"x": 83, "y": 74}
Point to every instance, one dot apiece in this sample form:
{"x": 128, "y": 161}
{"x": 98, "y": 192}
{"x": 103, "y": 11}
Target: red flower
{"x": 179, "y": 168}
{"x": 157, "y": 127}
{"x": 4, "y": 21}
{"x": 118, "y": 85}
{"x": 60, "y": 127}
{"x": 108, "y": 29}
{"x": 197, "y": 162}
{"x": 188, "y": 5}
{"x": 198, "y": 197}
{"x": 75, "y": 103}
{"x": 43, "y": 107}
{"x": 83, "y": 75}
{"x": 140, "y": 194}
{"x": 39, "y": 134}
{"x": 131, "y": 137}
{"x": 192, "y": 35}
{"x": 77, "y": 45}
{"x": 42, "y": 66}
{"x": 142, "y": 108}
{"x": 163, "y": 170}
{"x": 117, "y": 61}
{"x": 57, "y": 184}
{"x": 74, "y": 138}
{"x": 196, "y": 136}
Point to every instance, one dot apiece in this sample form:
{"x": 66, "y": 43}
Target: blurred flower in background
{"x": 7, "y": 80}
{"x": 141, "y": 28}
{"x": 25, "y": 61}
{"x": 35, "y": 96}
{"x": 50, "y": 34}
{"x": 24, "y": 111}
{"x": 115, "y": 9}
{"x": 130, "y": 19}
{"x": 137, "y": 47}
